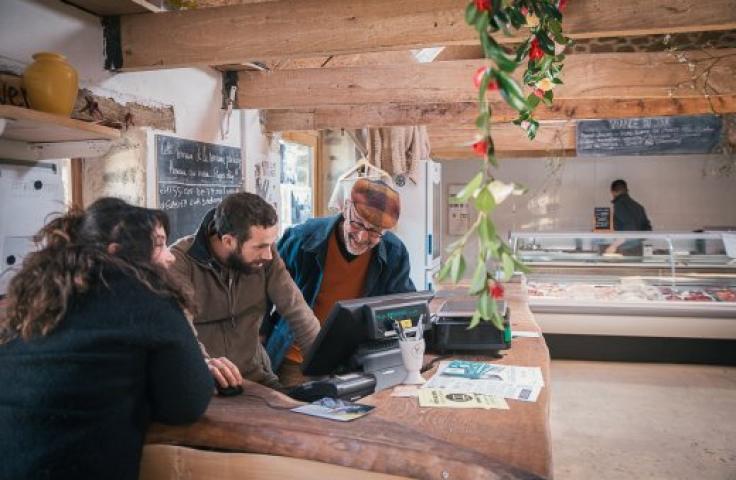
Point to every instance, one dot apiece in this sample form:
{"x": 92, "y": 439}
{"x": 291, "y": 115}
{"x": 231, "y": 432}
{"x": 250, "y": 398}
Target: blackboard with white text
{"x": 194, "y": 177}
{"x": 650, "y": 136}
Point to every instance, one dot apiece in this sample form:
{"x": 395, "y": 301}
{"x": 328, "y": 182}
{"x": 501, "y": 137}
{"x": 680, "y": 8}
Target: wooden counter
{"x": 397, "y": 438}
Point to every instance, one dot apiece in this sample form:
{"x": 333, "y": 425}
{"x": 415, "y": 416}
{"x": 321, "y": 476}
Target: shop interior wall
{"x": 29, "y": 26}
{"x": 680, "y": 193}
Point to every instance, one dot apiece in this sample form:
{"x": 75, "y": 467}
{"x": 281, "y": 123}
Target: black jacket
{"x": 76, "y": 403}
{"x": 629, "y": 215}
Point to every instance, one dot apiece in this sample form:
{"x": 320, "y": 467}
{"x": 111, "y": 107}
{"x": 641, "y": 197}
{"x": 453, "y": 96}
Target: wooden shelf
{"x": 117, "y": 7}
{"x": 32, "y": 126}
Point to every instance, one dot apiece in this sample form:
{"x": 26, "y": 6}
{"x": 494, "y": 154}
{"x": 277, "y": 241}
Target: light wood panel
{"x": 166, "y": 462}
{"x": 314, "y": 28}
{"x": 360, "y": 116}
{"x": 590, "y": 76}
{"x": 454, "y": 142}
{"x": 117, "y": 7}
{"x": 28, "y": 125}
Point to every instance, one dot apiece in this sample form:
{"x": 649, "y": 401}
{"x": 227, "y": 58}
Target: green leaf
{"x": 484, "y": 306}
{"x": 470, "y": 188}
{"x": 478, "y": 284}
{"x": 516, "y": 97}
{"x": 445, "y": 270}
{"x": 508, "y": 266}
{"x": 482, "y": 121}
{"x": 520, "y": 266}
{"x": 458, "y": 268}
{"x": 471, "y": 13}
{"x": 475, "y": 320}
{"x": 548, "y": 96}
{"x": 481, "y": 23}
{"x": 496, "y": 53}
{"x": 513, "y": 101}
{"x": 485, "y": 202}
{"x": 492, "y": 159}
{"x": 532, "y": 100}
{"x": 486, "y": 231}
{"x": 497, "y": 321}
{"x": 547, "y": 45}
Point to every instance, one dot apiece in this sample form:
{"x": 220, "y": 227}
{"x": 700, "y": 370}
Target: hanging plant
{"x": 542, "y": 50}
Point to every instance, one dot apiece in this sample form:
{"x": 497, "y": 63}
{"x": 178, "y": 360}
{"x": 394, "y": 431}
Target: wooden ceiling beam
{"x": 586, "y": 76}
{"x": 313, "y": 28}
{"x": 507, "y": 138}
{"x": 361, "y": 116}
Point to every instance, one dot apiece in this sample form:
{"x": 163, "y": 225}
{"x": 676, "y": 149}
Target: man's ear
{"x": 113, "y": 248}
{"x": 229, "y": 241}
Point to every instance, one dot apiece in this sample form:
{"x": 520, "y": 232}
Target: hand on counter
{"x": 225, "y": 373}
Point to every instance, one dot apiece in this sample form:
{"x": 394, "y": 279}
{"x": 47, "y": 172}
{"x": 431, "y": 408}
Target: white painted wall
{"x": 29, "y": 26}
{"x": 684, "y": 192}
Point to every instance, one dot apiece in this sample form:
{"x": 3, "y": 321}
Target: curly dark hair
{"x": 238, "y": 212}
{"x": 73, "y": 258}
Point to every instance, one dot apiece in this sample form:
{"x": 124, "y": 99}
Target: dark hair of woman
{"x": 74, "y": 257}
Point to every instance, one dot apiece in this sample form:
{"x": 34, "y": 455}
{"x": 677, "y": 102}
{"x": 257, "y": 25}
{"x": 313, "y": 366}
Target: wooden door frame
{"x": 312, "y": 139}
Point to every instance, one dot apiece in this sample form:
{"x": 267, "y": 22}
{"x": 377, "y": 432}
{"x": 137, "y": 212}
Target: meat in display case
{"x": 658, "y": 285}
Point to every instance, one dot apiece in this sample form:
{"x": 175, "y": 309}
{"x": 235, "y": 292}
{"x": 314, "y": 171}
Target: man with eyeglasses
{"x": 347, "y": 256}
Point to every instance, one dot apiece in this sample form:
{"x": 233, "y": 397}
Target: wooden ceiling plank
{"x": 591, "y": 76}
{"x": 314, "y": 28}
{"x": 360, "y": 116}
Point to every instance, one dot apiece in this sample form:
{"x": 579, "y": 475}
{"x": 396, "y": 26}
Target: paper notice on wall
{"x": 457, "y": 212}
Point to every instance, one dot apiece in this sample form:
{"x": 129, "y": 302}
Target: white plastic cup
{"x": 412, "y": 353}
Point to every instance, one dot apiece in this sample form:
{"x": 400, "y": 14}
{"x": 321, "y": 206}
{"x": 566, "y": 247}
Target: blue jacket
{"x": 304, "y": 248}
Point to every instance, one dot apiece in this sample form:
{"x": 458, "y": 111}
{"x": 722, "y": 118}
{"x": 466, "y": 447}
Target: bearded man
{"x": 347, "y": 256}
{"x": 234, "y": 272}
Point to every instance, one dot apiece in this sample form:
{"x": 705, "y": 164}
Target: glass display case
{"x": 631, "y": 283}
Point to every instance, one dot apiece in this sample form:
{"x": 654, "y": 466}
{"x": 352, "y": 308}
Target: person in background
{"x": 95, "y": 346}
{"x": 234, "y": 272}
{"x": 628, "y": 215}
{"x": 347, "y": 256}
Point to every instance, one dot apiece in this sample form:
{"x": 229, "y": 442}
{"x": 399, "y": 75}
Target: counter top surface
{"x": 398, "y": 437}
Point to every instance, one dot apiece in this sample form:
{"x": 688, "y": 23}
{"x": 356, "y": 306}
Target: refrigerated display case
{"x": 640, "y": 284}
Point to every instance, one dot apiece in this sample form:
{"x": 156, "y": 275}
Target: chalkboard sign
{"x": 192, "y": 178}
{"x": 650, "y": 136}
{"x": 602, "y": 216}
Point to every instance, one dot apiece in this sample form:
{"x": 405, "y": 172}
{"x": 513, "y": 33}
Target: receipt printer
{"x": 451, "y": 333}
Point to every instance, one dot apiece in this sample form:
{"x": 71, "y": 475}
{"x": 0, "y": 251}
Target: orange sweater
{"x": 342, "y": 280}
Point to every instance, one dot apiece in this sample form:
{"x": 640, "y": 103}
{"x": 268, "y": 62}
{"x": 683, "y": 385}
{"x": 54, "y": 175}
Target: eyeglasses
{"x": 372, "y": 233}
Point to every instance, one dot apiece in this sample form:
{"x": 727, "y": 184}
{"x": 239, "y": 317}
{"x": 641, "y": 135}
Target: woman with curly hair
{"x": 94, "y": 347}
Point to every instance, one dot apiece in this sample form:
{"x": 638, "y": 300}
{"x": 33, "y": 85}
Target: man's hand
{"x": 225, "y": 373}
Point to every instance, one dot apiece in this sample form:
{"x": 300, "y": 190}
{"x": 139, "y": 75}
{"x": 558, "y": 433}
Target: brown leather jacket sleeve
{"x": 181, "y": 271}
{"x": 288, "y": 300}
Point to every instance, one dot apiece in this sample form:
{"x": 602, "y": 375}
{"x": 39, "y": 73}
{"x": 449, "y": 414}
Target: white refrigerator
{"x": 420, "y": 224}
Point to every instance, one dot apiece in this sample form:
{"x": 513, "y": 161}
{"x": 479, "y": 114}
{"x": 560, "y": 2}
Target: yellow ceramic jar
{"x": 51, "y": 84}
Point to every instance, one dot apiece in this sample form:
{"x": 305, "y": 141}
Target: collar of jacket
{"x": 317, "y": 240}
{"x": 199, "y": 250}
{"x": 619, "y": 198}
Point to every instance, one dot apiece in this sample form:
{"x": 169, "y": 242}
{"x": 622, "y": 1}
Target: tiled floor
{"x": 643, "y": 421}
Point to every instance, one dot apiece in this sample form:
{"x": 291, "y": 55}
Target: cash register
{"x": 357, "y": 351}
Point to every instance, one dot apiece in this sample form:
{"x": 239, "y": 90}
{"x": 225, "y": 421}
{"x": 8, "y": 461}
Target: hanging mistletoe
{"x": 542, "y": 50}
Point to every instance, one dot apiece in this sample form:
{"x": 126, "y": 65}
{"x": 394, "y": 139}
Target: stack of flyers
{"x": 507, "y": 381}
{"x": 447, "y": 399}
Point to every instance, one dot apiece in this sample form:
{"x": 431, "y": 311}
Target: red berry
{"x": 524, "y": 11}
{"x": 535, "y": 51}
{"x": 483, "y": 5}
{"x": 480, "y": 148}
{"x": 562, "y": 5}
{"x": 539, "y": 92}
{"x": 496, "y": 290}
{"x": 478, "y": 79}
